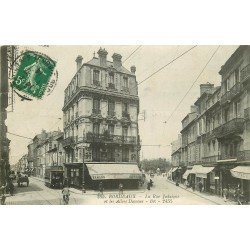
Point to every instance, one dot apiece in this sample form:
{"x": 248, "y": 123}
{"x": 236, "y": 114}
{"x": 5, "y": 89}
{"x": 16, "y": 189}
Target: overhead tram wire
{"x": 193, "y": 84}
{"x": 139, "y": 82}
{"x": 20, "y": 136}
{"x": 132, "y": 53}
{"x": 187, "y": 51}
{"x": 157, "y": 71}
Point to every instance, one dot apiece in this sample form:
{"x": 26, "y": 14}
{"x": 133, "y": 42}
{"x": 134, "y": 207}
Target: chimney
{"x": 117, "y": 60}
{"x": 78, "y": 62}
{"x": 207, "y": 87}
{"x": 193, "y": 109}
{"x": 102, "y": 53}
{"x": 133, "y": 69}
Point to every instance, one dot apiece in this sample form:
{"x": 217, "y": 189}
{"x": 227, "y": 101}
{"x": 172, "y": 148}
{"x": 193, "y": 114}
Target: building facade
{"x": 100, "y": 115}
{"x": 216, "y": 135}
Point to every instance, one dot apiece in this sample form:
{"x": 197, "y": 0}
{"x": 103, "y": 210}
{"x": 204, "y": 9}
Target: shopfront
{"x": 74, "y": 174}
{"x": 243, "y": 174}
{"x": 112, "y": 174}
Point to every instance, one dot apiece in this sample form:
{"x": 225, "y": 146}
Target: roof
{"x": 96, "y": 62}
{"x": 238, "y": 52}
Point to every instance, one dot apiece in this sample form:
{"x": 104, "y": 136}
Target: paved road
{"x": 163, "y": 192}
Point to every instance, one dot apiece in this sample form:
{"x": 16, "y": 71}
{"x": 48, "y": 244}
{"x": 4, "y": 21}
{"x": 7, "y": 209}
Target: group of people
{"x": 192, "y": 185}
{"x": 237, "y": 194}
{"x": 101, "y": 188}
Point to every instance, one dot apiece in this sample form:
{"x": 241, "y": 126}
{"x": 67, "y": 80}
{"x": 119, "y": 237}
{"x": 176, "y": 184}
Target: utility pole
{"x": 4, "y": 90}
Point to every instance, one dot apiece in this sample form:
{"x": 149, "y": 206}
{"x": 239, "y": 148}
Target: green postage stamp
{"x": 33, "y": 74}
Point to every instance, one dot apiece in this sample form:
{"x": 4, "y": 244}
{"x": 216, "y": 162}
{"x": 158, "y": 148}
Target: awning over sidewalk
{"x": 108, "y": 171}
{"x": 186, "y": 174}
{"x": 201, "y": 171}
{"x": 241, "y": 172}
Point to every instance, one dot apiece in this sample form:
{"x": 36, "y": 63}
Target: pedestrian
{"x": 11, "y": 187}
{"x": 187, "y": 184}
{"x": 237, "y": 195}
{"x": 2, "y": 192}
{"x": 66, "y": 194}
{"x": 120, "y": 188}
{"x": 101, "y": 187}
{"x": 225, "y": 193}
{"x": 193, "y": 186}
{"x": 200, "y": 186}
{"x": 148, "y": 185}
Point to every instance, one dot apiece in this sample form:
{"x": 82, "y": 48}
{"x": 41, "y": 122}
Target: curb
{"x": 196, "y": 194}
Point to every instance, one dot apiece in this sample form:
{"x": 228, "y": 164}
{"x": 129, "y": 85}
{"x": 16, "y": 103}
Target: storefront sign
{"x": 115, "y": 176}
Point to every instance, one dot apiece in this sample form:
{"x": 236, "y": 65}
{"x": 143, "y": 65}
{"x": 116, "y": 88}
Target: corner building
{"x": 100, "y": 113}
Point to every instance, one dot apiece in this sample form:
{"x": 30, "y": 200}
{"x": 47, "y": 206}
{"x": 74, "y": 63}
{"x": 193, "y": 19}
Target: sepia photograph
{"x": 125, "y": 125}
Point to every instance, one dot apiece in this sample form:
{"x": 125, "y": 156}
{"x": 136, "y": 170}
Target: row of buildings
{"x": 100, "y": 139}
{"x": 214, "y": 144}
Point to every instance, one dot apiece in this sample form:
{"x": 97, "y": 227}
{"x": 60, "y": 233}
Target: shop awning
{"x": 241, "y": 172}
{"x": 108, "y": 171}
{"x": 201, "y": 171}
{"x": 186, "y": 174}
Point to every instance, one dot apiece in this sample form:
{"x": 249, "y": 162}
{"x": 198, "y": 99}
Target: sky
{"x": 159, "y": 95}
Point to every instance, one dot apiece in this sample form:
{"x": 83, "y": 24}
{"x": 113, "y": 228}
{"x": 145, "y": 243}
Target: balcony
{"x": 247, "y": 113}
{"x": 96, "y": 83}
{"x": 70, "y": 141}
{"x": 210, "y": 159}
{"x": 233, "y": 92}
{"x": 125, "y": 90}
{"x": 96, "y": 111}
{"x": 111, "y": 86}
{"x": 107, "y": 138}
{"x": 234, "y": 126}
{"x": 243, "y": 155}
{"x": 245, "y": 73}
{"x": 129, "y": 139}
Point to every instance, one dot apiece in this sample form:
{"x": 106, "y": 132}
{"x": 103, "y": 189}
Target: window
{"x": 125, "y": 82}
{"x": 96, "y": 128}
{"x": 111, "y": 108}
{"x": 96, "y": 106}
{"x": 111, "y": 78}
{"x": 237, "y": 109}
{"x": 111, "y": 129}
{"x": 237, "y": 75}
{"x": 226, "y": 115}
{"x": 125, "y": 107}
{"x": 125, "y": 131}
{"x": 96, "y": 77}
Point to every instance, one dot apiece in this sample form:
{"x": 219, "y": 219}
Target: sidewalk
{"x": 216, "y": 199}
{"x": 93, "y": 192}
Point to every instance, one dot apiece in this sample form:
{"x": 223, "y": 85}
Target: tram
{"x": 54, "y": 177}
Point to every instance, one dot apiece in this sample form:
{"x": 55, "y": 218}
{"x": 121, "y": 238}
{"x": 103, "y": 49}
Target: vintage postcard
{"x": 125, "y": 125}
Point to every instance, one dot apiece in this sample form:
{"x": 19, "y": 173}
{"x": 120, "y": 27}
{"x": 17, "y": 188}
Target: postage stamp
{"x": 34, "y": 74}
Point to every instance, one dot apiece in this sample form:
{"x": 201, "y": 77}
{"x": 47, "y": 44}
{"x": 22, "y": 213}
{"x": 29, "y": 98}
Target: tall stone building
{"x": 100, "y": 114}
{"x": 216, "y": 133}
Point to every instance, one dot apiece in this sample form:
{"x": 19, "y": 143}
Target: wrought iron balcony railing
{"x": 70, "y": 141}
{"x": 210, "y": 159}
{"x": 233, "y": 92}
{"x": 108, "y": 138}
{"x": 245, "y": 73}
{"x": 96, "y": 111}
{"x": 234, "y": 126}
